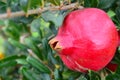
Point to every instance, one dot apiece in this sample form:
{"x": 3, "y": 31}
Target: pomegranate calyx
{"x": 55, "y": 45}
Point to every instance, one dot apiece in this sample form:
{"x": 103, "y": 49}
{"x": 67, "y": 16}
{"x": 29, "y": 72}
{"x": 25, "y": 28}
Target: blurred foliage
{"x": 24, "y": 41}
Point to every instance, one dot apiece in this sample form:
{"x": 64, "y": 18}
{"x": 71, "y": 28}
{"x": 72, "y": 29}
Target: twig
{"x": 22, "y": 38}
{"x": 38, "y": 11}
{"x": 32, "y": 54}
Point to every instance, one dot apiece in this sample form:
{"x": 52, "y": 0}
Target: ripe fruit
{"x": 86, "y": 40}
{"x": 112, "y": 67}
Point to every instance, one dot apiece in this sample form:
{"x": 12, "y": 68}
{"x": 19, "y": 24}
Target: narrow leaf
{"x": 37, "y": 64}
{"x": 27, "y": 74}
{"x": 104, "y": 4}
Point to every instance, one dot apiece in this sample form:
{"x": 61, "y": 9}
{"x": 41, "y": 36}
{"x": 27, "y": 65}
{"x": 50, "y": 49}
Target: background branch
{"x": 38, "y": 11}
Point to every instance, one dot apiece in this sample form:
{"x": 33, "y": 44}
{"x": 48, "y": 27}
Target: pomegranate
{"x": 87, "y": 40}
{"x": 112, "y": 66}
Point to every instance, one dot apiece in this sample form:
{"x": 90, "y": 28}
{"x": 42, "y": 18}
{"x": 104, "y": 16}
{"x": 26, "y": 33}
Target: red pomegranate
{"x": 87, "y": 40}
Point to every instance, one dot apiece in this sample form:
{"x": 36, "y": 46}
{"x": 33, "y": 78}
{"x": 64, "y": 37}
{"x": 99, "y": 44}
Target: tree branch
{"x": 38, "y": 11}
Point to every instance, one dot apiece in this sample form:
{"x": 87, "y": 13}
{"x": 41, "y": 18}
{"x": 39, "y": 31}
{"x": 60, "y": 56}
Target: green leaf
{"x": 39, "y": 26}
{"x": 55, "y": 17}
{"x": 34, "y": 3}
{"x": 37, "y": 64}
{"x": 94, "y": 76}
{"x": 45, "y": 46}
{"x": 2, "y": 23}
{"x": 52, "y": 28}
{"x": 82, "y": 77}
{"x": 9, "y": 3}
{"x": 51, "y": 57}
{"x": 118, "y": 2}
{"x": 28, "y": 4}
{"x": 111, "y": 13}
{"x": 113, "y": 77}
{"x": 8, "y": 64}
{"x": 35, "y": 25}
{"x": 57, "y": 75}
{"x": 104, "y": 4}
{"x": 118, "y": 70}
{"x": 118, "y": 13}
{"x": 35, "y": 28}
{"x": 24, "y": 4}
{"x": 27, "y": 73}
{"x": 12, "y": 29}
{"x": 68, "y": 74}
{"x": 13, "y": 57}
{"x": 21, "y": 61}
{"x": 44, "y": 76}
{"x": 47, "y": 51}
{"x": 17, "y": 44}
{"x": 33, "y": 45}
{"x": 90, "y": 3}
{"x": 55, "y": 2}
{"x": 2, "y": 7}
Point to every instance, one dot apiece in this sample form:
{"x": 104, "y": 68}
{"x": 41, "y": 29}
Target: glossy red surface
{"x": 88, "y": 38}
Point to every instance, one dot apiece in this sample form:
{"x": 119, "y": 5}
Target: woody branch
{"x": 38, "y": 10}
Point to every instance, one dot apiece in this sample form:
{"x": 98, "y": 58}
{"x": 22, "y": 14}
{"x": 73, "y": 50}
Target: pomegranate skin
{"x": 87, "y": 40}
